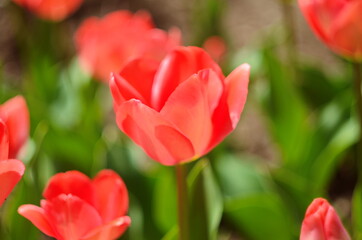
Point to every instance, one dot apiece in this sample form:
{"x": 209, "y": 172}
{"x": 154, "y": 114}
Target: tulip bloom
{"x": 53, "y": 10}
{"x": 11, "y": 170}
{"x": 216, "y": 47}
{"x": 14, "y": 113}
{"x": 337, "y": 23}
{"x": 321, "y": 222}
{"x": 78, "y": 208}
{"x": 106, "y": 45}
{"x": 179, "y": 110}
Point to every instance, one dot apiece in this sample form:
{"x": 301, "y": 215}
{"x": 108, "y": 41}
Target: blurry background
{"x": 295, "y": 140}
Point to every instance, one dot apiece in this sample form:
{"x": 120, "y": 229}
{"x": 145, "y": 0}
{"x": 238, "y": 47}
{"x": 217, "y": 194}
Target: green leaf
{"x": 206, "y": 204}
{"x": 261, "y": 216}
{"x": 172, "y": 234}
{"x": 328, "y": 160}
{"x": 357, "y": 212}
{"x": 164, "y": 201}
{"x": 285, "y": 108}
{"x": 239, "y": 176}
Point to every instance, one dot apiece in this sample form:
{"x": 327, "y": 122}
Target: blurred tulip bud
{"x": 106, "y": 45}
{"x": 53, "y": 10}
{"x": 321, "y": 222}
{"x": 216, "y": 47}
{"x": 14, "y": 113}
{"x": 338, "y": 23}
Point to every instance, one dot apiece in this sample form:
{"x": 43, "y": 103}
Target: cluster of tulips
{"x": 171, "y": 100}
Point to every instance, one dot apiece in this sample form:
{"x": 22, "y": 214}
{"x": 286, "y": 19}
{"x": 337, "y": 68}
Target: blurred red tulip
{"x": 106, "y": 45}
{"x": 321, "y": 222}
{"x": 14, "y": 113}
{"x": 338, "y": 23}
{"x": 11, "y": 170}
{"x": 180, "y": 110}
{"x": 78, "y": 208}
{"x": 216, "y": 47}
{"x": 53, "y": 10}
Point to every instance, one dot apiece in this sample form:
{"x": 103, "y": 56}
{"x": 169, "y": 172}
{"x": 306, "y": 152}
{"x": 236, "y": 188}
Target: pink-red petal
{"x": 37, "y": 216}
{"x": 11, "y": 172}
{"x": 227, "y": 114}
{"x": 346, "y": 31}
{"x": 190, "y": 107}
{"x": 111, "y": 195}
{"x": 109, "y": 231}
{"x": 71, "y": 182}
{"x": 321, "y": 222}
{"x": 71, "y": 216}
{"x": 177, "y": 67}
{"x": 136, "y": 80}
{"x": 4, "y": 141}
{"x": 150, "y": 130}
{"x": 15, "y": 114}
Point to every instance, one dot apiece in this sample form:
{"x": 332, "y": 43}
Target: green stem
{"x": 182, "y": 201}
{"x": 357, "y": 81}
{"x": 356, "y": 201}
{"x": 290, "y": 31}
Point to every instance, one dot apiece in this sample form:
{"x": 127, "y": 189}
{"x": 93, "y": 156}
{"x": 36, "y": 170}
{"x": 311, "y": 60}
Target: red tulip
{"x": 180, "y": 110}
{"x": 338, "y": 23}
{"x": 78, "y": 208}
{"x": 11, "y": 170}
{"x": 106, "y": 45}
{"x": 54, "y": 10}
{"x": 216, "y": 47}
{"x": 321, "y": 222}
{"x": 14, "y": 113}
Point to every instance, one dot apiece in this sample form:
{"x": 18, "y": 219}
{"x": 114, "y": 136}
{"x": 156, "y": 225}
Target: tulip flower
{"x": 179, "y": 110}
{"x": 216, "y": 47}
{"x": 11, "y": 170}
{"x": 78, "y": 208}
{"x": 106, "y": 45}
{"x": 14, "y": 113}
{"x": 321, "y": 222}
{"x": 53, "y": 10}
{"x": 337, "y": 23}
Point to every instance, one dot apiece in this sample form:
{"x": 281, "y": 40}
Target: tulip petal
{"x": 72, "y": 217}
{"x": 191, "y": 105}
{"x": 177, "y": 67}
{"x": 4, "y": 141}
{"x": 107, "y": 45}
{"x": 111, "y": 194}
{"x": 37, "y": 216}
{"x": 321, "y": 222}
{"x": 237, "y": 90}
{"x": 71, "y": 182}
{"x": 158, "y": 43}
{"x": 346, "y": 31}
{"x": 121, "y": 90}
{"x": 216, "y": 47}
{"x": 146, "y": 127}
{"x": 109, "y": 231}
{"x": 11, "y": 172}
{"x": 15, "y": 114}
{"x": 312, "y": 14}
{"x": 135, "y": 81}
{"x": 227, "y": 115}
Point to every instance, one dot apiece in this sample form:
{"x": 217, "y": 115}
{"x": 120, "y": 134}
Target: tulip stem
{"x": 182, "y": 201}
{"x": 356, "y": 210}
{"x": 358, "y": 82}
{"x": 290, "y": 31}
